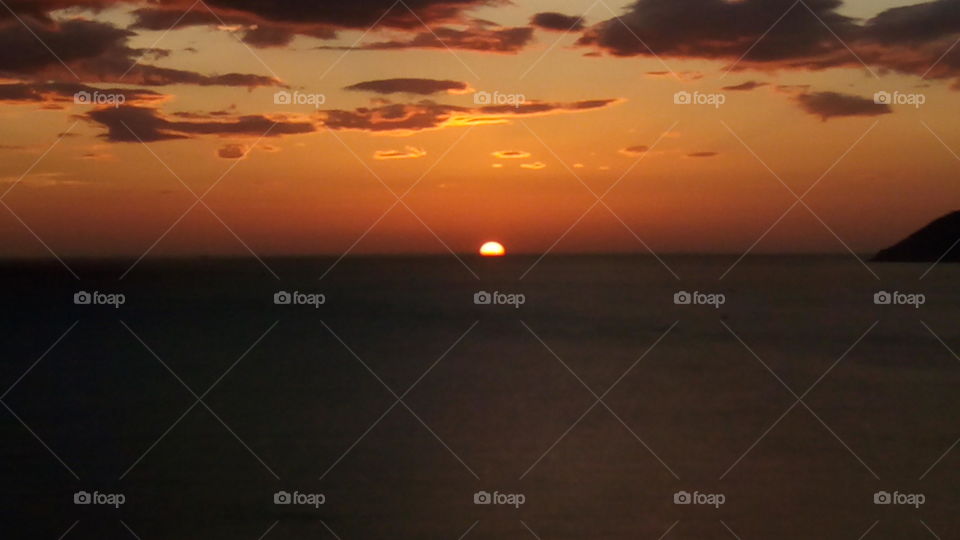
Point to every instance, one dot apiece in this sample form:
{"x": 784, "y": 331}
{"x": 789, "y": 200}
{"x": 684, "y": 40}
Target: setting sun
{"x": 492, "y": 249}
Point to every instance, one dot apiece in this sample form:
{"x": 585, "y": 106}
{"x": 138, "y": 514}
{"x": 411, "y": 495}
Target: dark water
{"x": 494, "y": 398}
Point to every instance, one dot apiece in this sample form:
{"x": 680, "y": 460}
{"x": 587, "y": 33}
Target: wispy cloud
{"x": 408, "y": 152}
{"x": 510, "y": 154}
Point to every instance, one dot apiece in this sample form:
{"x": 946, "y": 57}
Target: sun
{"x": 492, "y": 249}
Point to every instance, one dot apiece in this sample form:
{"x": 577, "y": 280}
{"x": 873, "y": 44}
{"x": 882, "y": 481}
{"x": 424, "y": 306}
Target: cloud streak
{"x": 634, "y": 151}
{"x": 133, "y": 124}
{"x": 557, "y": 22}
{"x": 745, "y": 86}
{"x": 409, "y": 152}
{"x": 422, "y": 87}
{"x": 510, "y": 154}
{"x": 57, "y": 95}
{"x": 829, "y": 105}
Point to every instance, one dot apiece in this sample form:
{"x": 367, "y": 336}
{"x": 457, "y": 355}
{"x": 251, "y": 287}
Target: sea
{"x": 594, "y": 397}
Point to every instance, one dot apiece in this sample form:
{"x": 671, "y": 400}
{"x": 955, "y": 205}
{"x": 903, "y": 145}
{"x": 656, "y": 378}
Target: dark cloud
{"x": 918, "y": 23}
{"x": 275, "y": 24}
{"x": 272, "y": 24}
{"x": 40, "y": 9}
{"x": 745, "y": 86}
{"x": 130, "y": 124}
{"x": 232, "y": 151}
{"x": 829, "y": 105}
{"x": 557, "y": 21}
{"x": 702, "y": 154}
{"x": 721, "y": 29}
{"x": 25, "y": 50}
{"x": 917, "y": 39}
{"x": 263, "y": 36}
{"x": 95, "y": 52}
{"x": 635, "y": 150}
{"x": 811, "y": 35}
{"x": 410, "y": 86}
{"x": 162, "y": 19}
{"x": 401, "y": 118}
{"x": 354, "y": 15}
{"x": 338, "y": 14}
{"x": 254, "y": 31}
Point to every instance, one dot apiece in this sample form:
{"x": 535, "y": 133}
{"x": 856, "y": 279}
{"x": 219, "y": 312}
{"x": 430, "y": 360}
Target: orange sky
{"x": 701, "y": 184}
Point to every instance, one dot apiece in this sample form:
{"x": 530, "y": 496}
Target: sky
{"x": 225, "y": 127}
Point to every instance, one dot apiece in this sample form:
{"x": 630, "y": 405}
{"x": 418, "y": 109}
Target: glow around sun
{"x": 493, "y": 249}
